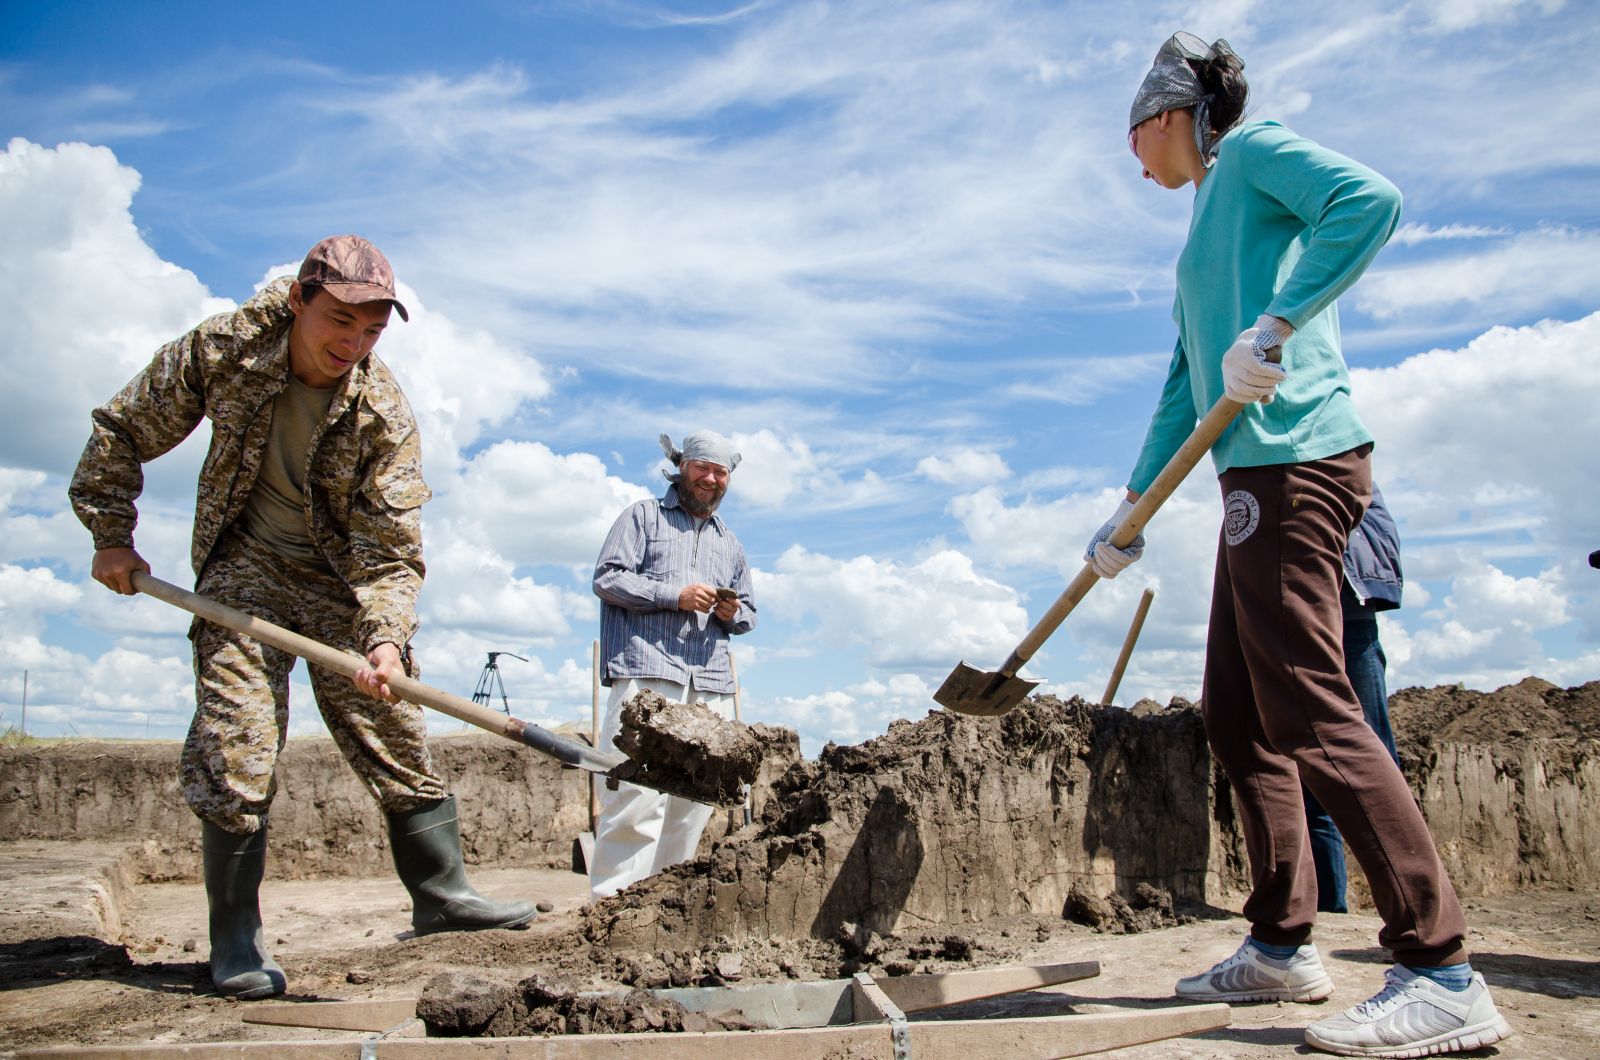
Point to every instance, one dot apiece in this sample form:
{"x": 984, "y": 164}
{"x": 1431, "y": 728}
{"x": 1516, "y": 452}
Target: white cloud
{"x": 473, "y": 589}
{"x": 28, "y": 595}
{"x": 1512, "y": 279}
{"x": 852, "y": 714}
{"x": 460, "y": 381}
{"x": 1085, "y": 380}
{"x": 1458, "y": 446}
{"x": 531, "y": 505}
{"x": 1455, "y": 15}
{"x": 85, "y": 300}
{"x": 902, "y": 615}
{"x": 774, "y": 469}
{"x": 1412, "y": 234}
{"x": 964, "y": 467}
{"x": 919, "y": 162}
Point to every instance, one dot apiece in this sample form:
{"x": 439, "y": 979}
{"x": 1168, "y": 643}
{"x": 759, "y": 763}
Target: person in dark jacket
{"x": 1372, "y": 583}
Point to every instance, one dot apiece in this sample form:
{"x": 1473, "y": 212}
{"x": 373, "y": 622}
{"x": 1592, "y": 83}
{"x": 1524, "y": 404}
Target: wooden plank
{"x": 315, "y": 1050}
{"x": 372, "y": 1016}
{"x": 1041, "y": 1038}
{"x": 917, "y": 993}
{"x": 864, "y": 1042}
{"x": 1048, "y": 1037}
{"x": 869, "y": 1003}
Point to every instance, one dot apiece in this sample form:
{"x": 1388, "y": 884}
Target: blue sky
{"x": 899, "y": 252}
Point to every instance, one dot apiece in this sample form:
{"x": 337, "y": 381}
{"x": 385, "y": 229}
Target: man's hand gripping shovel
{"x": 985, "y": 694}
{"x": 568, "y": 751}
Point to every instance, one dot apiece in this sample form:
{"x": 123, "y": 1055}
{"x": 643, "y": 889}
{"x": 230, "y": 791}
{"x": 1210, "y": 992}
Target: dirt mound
{"x": 1509, "y": 781}
{"x": 1532, "y": 709}
{"x": 953, "y": 820}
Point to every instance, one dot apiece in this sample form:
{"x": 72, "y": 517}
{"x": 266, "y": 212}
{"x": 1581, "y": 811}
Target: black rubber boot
{"x": 234, "y": 865}
{"x": 427, "y": 854}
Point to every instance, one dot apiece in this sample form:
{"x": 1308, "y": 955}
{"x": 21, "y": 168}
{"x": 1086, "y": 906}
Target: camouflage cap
{"x": 352, "y": 270}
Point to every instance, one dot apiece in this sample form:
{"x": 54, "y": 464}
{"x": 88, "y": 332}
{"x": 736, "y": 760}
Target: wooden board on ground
{"x": 860, "y": 1017}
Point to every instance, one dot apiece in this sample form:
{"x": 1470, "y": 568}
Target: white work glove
{"x": 1107, "y": 560}
{"x": 1247, "y": 375}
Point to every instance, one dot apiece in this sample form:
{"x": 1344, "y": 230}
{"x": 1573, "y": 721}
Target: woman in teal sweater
{"x": 1281, "y": 228}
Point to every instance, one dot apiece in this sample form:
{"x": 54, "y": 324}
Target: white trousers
{"x": 639, "y": 831}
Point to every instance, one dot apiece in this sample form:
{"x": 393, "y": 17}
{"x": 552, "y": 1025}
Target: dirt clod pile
{"x": 686, "y": 749}
{"x": 1150, "y": 908}
{"x": 455, "y": 1005}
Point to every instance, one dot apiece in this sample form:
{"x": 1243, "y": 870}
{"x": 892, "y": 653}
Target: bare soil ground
{"x": 947, "y": 843}
{"x": 345, "y": 939}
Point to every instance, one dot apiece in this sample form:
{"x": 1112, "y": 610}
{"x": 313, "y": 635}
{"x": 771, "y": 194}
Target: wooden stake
{"x": 1127, "y": 646}
{"x": 594, "y": 735}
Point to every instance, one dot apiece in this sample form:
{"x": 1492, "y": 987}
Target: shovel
{"x": 565, "y": 750}
{"x": 969, "y": 690}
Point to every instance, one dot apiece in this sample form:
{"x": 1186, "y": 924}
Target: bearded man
{"x": 674, "y": 586}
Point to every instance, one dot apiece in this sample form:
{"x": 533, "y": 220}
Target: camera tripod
{"x": 489, "y": 680}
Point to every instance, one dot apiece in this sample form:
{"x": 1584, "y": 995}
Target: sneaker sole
{"x": 1484, "y": 1034}
{"x": 1311, "y": 993}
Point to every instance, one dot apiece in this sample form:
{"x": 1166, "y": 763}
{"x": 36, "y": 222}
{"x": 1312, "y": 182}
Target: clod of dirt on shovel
{"x": 685, "y": 749}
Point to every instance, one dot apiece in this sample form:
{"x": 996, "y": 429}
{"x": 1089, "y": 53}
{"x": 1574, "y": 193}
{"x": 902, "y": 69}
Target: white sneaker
{"x": 1413, "y": 1016}
{"x": 1250, "y": 975}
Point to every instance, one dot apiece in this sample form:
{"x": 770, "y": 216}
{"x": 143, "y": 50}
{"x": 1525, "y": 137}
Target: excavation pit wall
{"x": 938, "y": 823}
{"x": 953, "y": 820}
{"x": 518, "y": 808}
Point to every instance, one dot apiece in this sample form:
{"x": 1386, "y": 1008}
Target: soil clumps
{"x": 686, "y": 749}
{"x": 1149, "y": 909}
{"x": 457, "y": 1005}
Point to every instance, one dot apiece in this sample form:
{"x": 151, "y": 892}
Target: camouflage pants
{"x": 228, "y": 771}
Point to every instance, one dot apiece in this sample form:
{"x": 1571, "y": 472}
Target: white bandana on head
{"x": 708, "y": 446}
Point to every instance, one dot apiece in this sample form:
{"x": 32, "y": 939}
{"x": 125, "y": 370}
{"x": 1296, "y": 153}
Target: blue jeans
{"x": 1364, "y": 664}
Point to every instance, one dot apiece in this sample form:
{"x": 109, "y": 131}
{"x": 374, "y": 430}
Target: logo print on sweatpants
{"x": 1241, "y": 514}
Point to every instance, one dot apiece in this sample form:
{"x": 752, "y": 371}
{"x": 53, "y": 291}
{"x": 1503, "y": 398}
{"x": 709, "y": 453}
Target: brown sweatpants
{"x": 1279, "y": 710}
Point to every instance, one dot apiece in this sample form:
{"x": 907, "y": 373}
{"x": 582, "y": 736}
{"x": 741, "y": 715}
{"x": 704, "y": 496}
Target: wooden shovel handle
{"x": 571, "y": 752}
{"x": 1199, "y": 442}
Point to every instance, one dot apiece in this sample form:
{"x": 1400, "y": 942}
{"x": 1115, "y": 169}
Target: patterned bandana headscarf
{"x": 708, "y": 446}
{"x": 1172, "y": 84}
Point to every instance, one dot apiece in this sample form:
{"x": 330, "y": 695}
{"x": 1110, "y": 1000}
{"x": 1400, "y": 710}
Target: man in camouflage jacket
{"x": 308, "y": 515}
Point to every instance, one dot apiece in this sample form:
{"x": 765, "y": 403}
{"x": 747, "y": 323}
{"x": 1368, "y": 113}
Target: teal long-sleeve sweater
{"x": 1280, "y": 226}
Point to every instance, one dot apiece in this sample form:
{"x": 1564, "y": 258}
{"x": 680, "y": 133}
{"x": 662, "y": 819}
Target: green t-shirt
{"x": 1280, "y": 226}
{"x": 275, "y": 513}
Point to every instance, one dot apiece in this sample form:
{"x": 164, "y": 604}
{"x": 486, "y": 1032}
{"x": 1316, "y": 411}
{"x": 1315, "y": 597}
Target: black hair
{"x": 1223, "y": 79}
{"x": 309, "y": 291}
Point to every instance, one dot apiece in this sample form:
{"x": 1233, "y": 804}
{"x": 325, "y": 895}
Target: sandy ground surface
{"x": 346, "y": 939}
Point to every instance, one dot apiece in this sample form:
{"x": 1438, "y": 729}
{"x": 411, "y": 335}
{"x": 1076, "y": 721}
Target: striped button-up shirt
{"x": 654, "y": 549}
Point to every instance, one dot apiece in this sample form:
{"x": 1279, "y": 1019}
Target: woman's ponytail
{"x": 1222, "y": 76}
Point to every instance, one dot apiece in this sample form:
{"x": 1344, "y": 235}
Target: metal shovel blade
{"x": 981, "y": 693}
